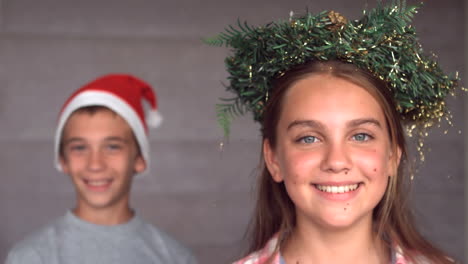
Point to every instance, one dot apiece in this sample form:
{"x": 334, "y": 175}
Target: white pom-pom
{"x": 153, "y": 119}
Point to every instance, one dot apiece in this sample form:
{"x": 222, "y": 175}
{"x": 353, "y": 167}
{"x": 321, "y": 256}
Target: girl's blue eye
{"x": 308, "y": 139}
{"x": 361, "y": 137}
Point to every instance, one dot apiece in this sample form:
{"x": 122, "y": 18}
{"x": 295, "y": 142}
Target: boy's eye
{"x": 308, "y": 139}
{"x": 77, "y": 147}
{"x": 362, "y": 137}
{"x": 114, "y": 147}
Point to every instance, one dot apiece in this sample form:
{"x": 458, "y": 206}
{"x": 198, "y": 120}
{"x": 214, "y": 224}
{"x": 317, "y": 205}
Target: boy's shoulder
{"x": 29, "y": 249}
{"x": 161, "y": 240}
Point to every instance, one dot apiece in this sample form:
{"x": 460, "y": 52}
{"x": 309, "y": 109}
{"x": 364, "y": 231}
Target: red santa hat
{"x": 129, "y": 97}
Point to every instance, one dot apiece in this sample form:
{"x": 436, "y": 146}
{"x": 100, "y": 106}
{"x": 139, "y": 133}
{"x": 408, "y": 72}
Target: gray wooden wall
{"x": 197, "y": 192}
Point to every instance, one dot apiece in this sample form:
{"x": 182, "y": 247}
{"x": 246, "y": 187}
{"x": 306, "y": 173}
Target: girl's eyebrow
{"x": 306, "y": 123}
{"x": 364, "y": 121}
{"x": 319, "y": 125}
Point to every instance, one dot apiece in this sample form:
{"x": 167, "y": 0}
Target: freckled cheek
{"x": 373, "y": 164}
{"x": 300, "y": 169}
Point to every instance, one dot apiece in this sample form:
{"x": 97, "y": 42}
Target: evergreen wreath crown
{"x": 382, "y": 42}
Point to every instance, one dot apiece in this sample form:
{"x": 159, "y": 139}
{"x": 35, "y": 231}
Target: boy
{"x": 101, "y": 143}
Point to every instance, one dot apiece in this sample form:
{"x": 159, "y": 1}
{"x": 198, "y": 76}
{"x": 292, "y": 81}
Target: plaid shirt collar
{"x": 270, "y": 252}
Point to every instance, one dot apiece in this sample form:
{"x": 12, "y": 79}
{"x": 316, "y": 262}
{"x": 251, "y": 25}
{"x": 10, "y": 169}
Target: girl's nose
{"x": 336, "y": 159}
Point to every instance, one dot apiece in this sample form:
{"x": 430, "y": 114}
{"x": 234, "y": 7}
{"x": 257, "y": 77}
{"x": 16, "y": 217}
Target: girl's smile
{"x": 338, "y": 191}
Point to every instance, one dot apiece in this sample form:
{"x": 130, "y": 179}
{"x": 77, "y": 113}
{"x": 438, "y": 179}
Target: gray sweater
{"x": 70, "y": 240}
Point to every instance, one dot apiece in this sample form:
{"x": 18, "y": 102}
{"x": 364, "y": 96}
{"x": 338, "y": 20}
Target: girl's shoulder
{"x": 268, "y": 252}
{"x": 399, "y": 258}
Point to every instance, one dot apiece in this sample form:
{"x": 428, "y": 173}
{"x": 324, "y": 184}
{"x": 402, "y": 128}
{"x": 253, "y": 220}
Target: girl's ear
{"x": 271, "y": 161}
{"x": 395, "y": 159}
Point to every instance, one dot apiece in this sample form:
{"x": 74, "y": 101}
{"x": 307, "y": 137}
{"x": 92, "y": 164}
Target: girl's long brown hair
{"x": 392, "y": 218}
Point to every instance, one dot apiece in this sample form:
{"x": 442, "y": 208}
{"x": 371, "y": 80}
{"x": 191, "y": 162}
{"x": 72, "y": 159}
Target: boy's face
{"x": 100, "y": 155}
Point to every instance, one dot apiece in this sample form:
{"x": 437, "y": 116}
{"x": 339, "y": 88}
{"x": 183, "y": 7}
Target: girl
{"x": 332, "y": 189}
{"x": 332, "y": 97}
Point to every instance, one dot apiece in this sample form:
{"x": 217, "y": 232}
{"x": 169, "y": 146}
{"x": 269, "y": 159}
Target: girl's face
{"x": 332, "y": 152}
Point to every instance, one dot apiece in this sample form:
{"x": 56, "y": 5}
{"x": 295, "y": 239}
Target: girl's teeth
{"x": 337, "y": 189}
